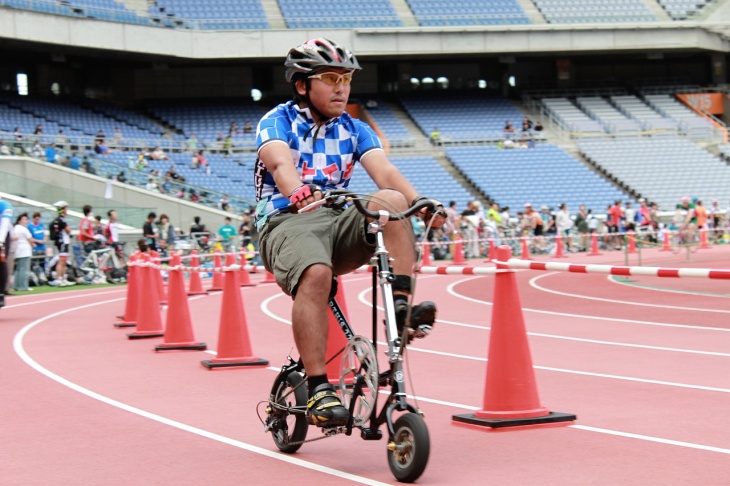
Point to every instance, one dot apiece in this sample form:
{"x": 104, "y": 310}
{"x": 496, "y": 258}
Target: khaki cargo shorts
{"x": 291, "y": 243}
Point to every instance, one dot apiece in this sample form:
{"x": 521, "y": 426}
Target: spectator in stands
{"x": 100, "y": 148}
{"x": 38, "y": 230}
{"x": 581, "y": 225}
{"x": 38, "y": 130}
{"x": 232, "y": 129}
{"x": 219, "y": 140}
{"x": 51, "y": 153}
{"x": 192, "y": 143}
{"x": 89, "y": 169}
{"x": 531, "y": 144}
{"x": 17, "y": 136}
{"x": 435, "y": 137}
{"x": 526, "y": 125}
{"x": 508, "y": 143}
{"x": 73, "y": 161}
{"x": 166, "y": 186}
{"x": 194, "y": 197}
{"x": 158, "y": 154}
{"x": 152, "y": 185}
{"x": 199, "y": 160}
{"x": 508, "y": 129}
{"x": 100, "y": 136}
{"x": 37, "y": 151}
{"x": 564, "y": 224}
{"x": 247, "y": 128}
{"x": 173, "y": 175}
{"x": 166, "y": 232}
{"x": 150, "y": 232}
{"x": 61, "y": 140}
{"x": 538, "y": 127}
{"x": 227, "y": 145}
{"x": 224, "y": 204}
{"x": 118, "y": 138}
{"x": 121, "y": 177}
{"x": 23, "y": 243}
{"x": 4, "y": 150}
{"x": 613, "y": 223}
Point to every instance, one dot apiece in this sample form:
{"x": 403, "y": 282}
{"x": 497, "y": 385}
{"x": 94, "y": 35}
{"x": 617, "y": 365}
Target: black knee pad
{"x": 403, "y": 283}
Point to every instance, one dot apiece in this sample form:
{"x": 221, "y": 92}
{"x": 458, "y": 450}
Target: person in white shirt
{"x": 564, "y": 223}
{"x": 23, "y": 243}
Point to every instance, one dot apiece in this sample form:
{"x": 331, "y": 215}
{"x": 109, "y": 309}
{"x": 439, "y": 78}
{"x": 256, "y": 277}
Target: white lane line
{"x": 649, "y": 438}
{"x": 617, "y": 279}
{"x": 67, "y": 297}
{"x": 450, "y": 290}
{"x": 20, "y": 351}
{"x": 533, "y": 283}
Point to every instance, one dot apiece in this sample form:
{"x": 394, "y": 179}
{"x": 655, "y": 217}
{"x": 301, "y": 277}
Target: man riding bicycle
{"x": 305, "y": 147}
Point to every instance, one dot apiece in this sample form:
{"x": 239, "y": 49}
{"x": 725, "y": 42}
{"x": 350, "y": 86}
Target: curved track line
{"x": 533, "y": 284}
{"x": 20, "y": 351}
{"x": 617, "y": 280}
{"x": 60, "y": 298}
{"x": 450, "y": 290}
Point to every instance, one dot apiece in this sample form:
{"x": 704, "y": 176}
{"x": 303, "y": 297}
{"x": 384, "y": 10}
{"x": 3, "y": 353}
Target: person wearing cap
{"x": 61, "y": 235}
{"x": 307, "y": 146}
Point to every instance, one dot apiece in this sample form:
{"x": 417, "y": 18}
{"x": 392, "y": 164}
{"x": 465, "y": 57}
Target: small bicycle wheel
{"x": 289, "y": 429}
{"x": 409, "y": 449}
{"x": 359, "y": 358}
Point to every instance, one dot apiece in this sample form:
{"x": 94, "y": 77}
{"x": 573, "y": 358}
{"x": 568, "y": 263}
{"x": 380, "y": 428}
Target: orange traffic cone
{"x": 510, "y": 392}
{"x": 666, "y": 244}
{"x": 149, "y": 321}
{"x": 426, "y": 254}
{"x": 269, "y": 278}
{"x": 234, "y": 344}
{"x": 158, "y": 277}
{"x": 244, "y": 277}
{"x": 594, "y": 245}
{"x": 178, "y": 327}
{"x": 491, "y": 253}
{"x": 196, "y": 283}
{"x": 631, "y": 240}
{"x": 525, "y": 254}
{"x": 217, "y": 274}
{"x": 704, "y": 243}
{"x": 458, "y": 253}
{"x": 129, "y": 319}
{"x": 336, "y": 340}
{"x": 559, "y": 247}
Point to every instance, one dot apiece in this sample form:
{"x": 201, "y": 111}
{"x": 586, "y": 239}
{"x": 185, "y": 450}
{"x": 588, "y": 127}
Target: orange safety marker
{"x": 269, "y": 278}
{"x": 158, "y": 277}
{"x": 631, "y": 239}
{"x": 217, "y": 274}
{"x": 510, "y": 393}
{"x": 129, "y": 319}
{"x": 426, "y": 254}
{"x": 458, "y": 258}
{"x": 491, "y": 251}
{"x": 704, "y": 243}
{"x": 594, "y": 245}
{"x": 244, "y": 277}
{"x": 666, "y": 244}
{"x": 234, "y": 343}
{"x": 525, "y": 254}
{"x": 178, "y": 326}
{"x": 196, "y": 283}
{"x": 149, "y": 321}
{"x": 559, "y": 247}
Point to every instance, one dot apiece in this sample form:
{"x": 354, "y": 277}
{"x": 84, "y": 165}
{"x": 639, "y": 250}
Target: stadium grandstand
{"x": 491, "y": 100}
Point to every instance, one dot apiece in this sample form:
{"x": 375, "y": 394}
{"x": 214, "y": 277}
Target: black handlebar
{"x": 339, "y": 197}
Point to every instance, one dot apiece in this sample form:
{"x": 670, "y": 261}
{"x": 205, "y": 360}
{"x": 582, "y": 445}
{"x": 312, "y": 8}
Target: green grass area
{"x": 45, "y": 289}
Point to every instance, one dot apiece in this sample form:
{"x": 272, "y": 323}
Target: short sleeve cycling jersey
{"x": 325, "y": 156}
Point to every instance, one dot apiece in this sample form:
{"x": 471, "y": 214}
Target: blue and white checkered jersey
{"x": 325, "y": 156}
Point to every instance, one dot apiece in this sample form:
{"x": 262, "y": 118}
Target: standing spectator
{"x": 226, "y": 233}
{"x": 534, "y": 223}
{"x": 51, "y": 153}
{"x": 99, "y": 230}
{"x": 117, "y": 138}
{"x": 629, "y": 217}
{"x": 192, "y": 143}
{"x": 227, "y": 145}
{"x": 6, "y": 227}
{"x": 470, "y": 224}
{"x": 701, "y": 214}
{"x": 60, "y": 232}
{"x": 613, "y": 222}
{"x": 435, "y": 137}
{"x": 564, "y": 223}
{"x": 86, "y": 230}
{"x": 23, "y": 245}
{"x": 581, "y": 224}
{"x": 38, "y": 231}
{"x": 112, "y": 229}
{"x": 249, "y": 238}
{"x": 716, "y": 220}
{"x": 199, "y": 232}
{"x": 73, "y": 161}
{"x": 149, "y": 231}
{"x": 167, "y": 233}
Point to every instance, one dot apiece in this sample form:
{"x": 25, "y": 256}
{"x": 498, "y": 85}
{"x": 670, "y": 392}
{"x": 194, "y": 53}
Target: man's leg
{"x": 309, "y": 318}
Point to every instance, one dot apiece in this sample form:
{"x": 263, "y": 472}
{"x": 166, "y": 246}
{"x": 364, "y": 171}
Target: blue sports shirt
{"x": 325, "y": 156}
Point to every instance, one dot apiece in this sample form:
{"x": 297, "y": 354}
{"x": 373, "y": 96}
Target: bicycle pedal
{"x": 330, "y": 431}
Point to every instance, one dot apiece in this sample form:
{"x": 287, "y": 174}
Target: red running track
{"x": 641, "y": 362}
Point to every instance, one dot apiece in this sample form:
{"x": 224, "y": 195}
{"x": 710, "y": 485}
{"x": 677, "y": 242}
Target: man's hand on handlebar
{"x": 304, "y": 195}
{"x": 433, "y": 214}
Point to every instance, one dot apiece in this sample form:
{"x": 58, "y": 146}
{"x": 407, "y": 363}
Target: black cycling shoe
{"x": 422, "y": 319}
{"x": 325, "y": 409}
